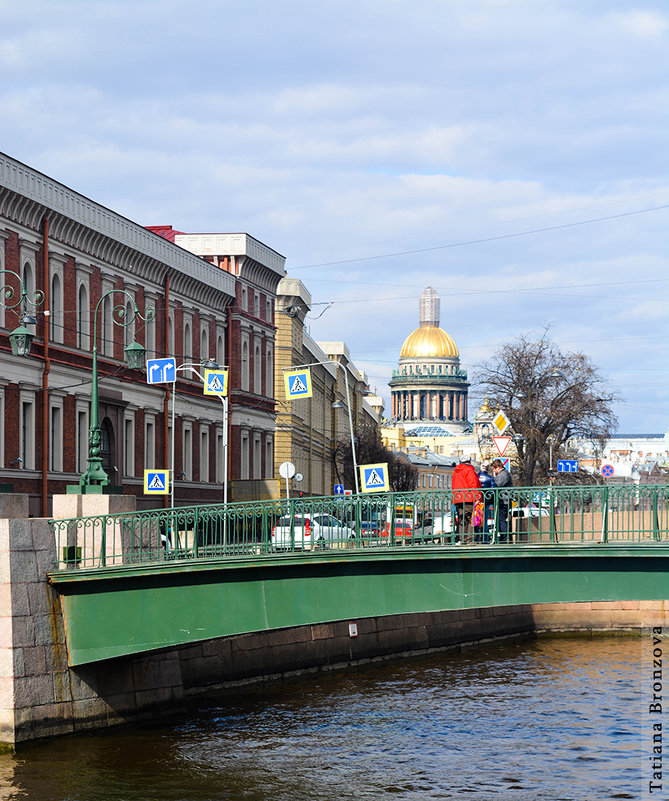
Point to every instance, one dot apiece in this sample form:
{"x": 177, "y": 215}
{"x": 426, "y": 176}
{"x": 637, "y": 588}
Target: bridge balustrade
{"x": 536, "y": 516}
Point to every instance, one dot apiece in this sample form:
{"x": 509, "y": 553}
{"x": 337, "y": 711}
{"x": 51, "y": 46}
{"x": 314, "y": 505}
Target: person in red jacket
{"x": 465, "y": 482}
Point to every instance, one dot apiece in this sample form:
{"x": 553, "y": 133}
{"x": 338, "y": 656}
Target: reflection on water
{"x": 546, "y": 719}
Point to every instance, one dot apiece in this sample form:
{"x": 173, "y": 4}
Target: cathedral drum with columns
{"x": 429, "y": 386}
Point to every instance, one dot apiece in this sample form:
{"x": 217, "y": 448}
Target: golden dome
{"x": 428, "y": 341}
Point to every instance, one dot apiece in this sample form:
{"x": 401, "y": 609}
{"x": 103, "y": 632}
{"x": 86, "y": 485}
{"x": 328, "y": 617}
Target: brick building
{"x": 77, "y": 252}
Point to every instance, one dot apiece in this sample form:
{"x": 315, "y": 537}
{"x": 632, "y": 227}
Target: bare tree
{"x": 548, "y": 397}
{"x": 402, "y": 476}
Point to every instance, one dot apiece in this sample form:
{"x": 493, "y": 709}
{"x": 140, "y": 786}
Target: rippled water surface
{"x": 538, "y": 719}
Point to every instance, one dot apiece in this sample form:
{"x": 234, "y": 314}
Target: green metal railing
{"x": 532, "y": 515}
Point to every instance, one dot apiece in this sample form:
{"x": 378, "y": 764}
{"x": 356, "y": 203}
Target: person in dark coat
{"x": 502, "y": 479}
{"x": 487, "y": 485}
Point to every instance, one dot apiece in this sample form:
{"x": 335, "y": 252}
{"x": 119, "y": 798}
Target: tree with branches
{"x": 549, "y": 397}
{"x": 369, "y": 449}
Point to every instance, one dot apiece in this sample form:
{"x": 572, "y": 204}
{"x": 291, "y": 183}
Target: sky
{"x": 512, "y": 154}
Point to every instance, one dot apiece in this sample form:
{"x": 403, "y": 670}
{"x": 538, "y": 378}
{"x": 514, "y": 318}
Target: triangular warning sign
{"x": 157, "y": 482}
{"x": 501, "y": 443}
{"x": 297, "y": 386}
{"x": 374, "y": 479}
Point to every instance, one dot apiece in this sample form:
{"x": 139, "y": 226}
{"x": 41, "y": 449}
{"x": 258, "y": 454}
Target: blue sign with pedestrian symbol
{"x": 374, "y": 477}
{"x": 161, "y": 371}
{"x": 215, "y": 382}
{"x": 156, "y": 482}
{"x": 297, "y": 383}
{"x": 567, "y": 466}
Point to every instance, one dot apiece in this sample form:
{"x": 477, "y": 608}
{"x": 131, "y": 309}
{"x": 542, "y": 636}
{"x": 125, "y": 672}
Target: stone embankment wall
{"x": 40, "y": 696}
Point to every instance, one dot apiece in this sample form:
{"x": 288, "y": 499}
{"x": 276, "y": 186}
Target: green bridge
{"x": 134, "y": 583}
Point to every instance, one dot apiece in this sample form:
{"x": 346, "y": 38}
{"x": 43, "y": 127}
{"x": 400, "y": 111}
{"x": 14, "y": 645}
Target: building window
{"x": 188, "y": 342}
{"x": 150, "y": 334}
{"x": 56, "y": 438}
{"x": 170, "y": 334}
{"x": 204, "y": 342}
{"x": 219, "y": 457}
{"x": 245, "y": 364}
{"x": 257, "y": 371}
{"x": 82, "y": 440}
{"x": 220, "y": 349}
{"x": 129, "y": 324}
{"x": 149, "y": 443}
{"x": 188, "y": 452}
{"x": 268, "y": 311}
{"x": 269, "y": 374}
{"x": 244, "y": 299}
{"x": 256, "y": 304}
{"x": 107, "y": 327}
{"x": 56, "y": 316}
{"x": 2, "y": 428}
{"x": 257, "y": 457}
{"x": 269, "y": 458}
{"x": 83, "y": 318}
{"x": 129, "y": 446}
{"x": 244, "y": 456}
{"x": 204, "y": 454}
{"x": 27, "y": 453}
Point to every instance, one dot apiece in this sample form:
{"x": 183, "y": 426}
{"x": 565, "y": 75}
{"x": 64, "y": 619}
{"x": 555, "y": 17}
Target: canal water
{"x": 550, "y": 719}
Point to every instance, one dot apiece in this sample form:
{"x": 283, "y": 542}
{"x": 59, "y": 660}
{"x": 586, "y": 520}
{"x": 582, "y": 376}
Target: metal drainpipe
{"x": 168, "y": 391}
{"x": 46, "y": 288}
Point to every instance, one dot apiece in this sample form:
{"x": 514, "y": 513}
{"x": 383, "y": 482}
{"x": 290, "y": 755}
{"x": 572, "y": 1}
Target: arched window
{"x": 107, "y": 344}
{"x": 129, "y": 335}
{"x": 29, "y": 279}
{"x": 245, "y": 365}
{"x": 220, "y": 349}
{"x": 83, "y": 318}
{"x": 204, "y": 342}
{"x": 170, "y": 335}
{"x": 269, "y": 375}
{"x": 56, "y": 317}
{"x": 257, "y": 371}
{"x": 188, "y": 342}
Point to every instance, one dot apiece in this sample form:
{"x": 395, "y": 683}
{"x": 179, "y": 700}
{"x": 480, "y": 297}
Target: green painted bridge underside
{"x": 121, "y": 611}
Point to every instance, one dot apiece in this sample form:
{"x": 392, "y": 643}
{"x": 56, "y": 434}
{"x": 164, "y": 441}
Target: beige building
{"x": 308, "y": 429}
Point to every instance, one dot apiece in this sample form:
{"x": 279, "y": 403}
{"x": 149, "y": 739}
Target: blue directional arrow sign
{"x": 567, "y": 466}
{"x": 156, "y": 482}
{"x": 338, "y": 489}
{"x": 161, "y": 371}
{"x": 374, "y": 477}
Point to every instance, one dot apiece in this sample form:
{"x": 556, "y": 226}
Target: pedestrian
{"x": 488, "y": 502}
{"x": 502, "y": 479}
{"x": 465, "y": 481}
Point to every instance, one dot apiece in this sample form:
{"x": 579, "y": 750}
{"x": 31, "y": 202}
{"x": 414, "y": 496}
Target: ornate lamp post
{"x": 21, "y": 339}
{"x": 95, "y": 475}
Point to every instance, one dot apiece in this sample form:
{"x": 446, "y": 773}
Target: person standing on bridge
{"x": 502, "y": 479}
{"x": 488, "y": 486}
{"x": 465, "y": 480}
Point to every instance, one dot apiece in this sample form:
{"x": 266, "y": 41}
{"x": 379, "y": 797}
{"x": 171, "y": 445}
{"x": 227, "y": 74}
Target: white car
{"x": 310, "y": 531}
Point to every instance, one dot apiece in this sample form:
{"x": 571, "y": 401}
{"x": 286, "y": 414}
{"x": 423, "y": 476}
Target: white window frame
{"x": 204, "y": 454}
{"x": 149, "y": 441}
{"x": 129, "y": 444}
{"x": 244, "y": 455}
{"x": 27, "y": 430}
{"x": 187, "y": 450}
{"x": 56, "y": 435}
{"x": 269, "y": 457}
{"x": 82, "y": 422}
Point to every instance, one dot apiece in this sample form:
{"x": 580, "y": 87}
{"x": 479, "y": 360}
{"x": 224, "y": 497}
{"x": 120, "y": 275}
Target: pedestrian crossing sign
{"x": 156, "y": 482}
{"x": 374, "y": 477}
{"x": 298, "y": 383}
{"x": 215, "y": 382}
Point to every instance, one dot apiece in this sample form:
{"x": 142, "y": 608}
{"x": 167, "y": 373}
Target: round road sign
{"x": 286, "y": 469}
{"x": 607, "y": 470}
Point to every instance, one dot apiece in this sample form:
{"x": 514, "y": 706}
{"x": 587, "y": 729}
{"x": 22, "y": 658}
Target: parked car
{"x": 310, "y": 531}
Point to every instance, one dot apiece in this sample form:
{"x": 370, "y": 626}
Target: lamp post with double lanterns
{"x": 21, "y": 339}
{"x": 95, "y": 477}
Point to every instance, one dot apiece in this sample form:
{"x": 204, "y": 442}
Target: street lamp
{"x": 95, "y": 476}
{"x": 21, "y": 339}
{"x": 340, "y": 405}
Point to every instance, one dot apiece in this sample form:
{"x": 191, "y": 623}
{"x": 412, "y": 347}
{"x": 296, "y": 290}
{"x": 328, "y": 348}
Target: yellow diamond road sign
{"x": 501, "y": 422}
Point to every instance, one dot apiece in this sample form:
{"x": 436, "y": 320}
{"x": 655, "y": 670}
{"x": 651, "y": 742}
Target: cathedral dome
{"x": 429, "y": 341}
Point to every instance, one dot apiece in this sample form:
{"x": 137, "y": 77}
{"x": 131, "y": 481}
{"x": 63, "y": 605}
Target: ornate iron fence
{"x": 508, "y": 517}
